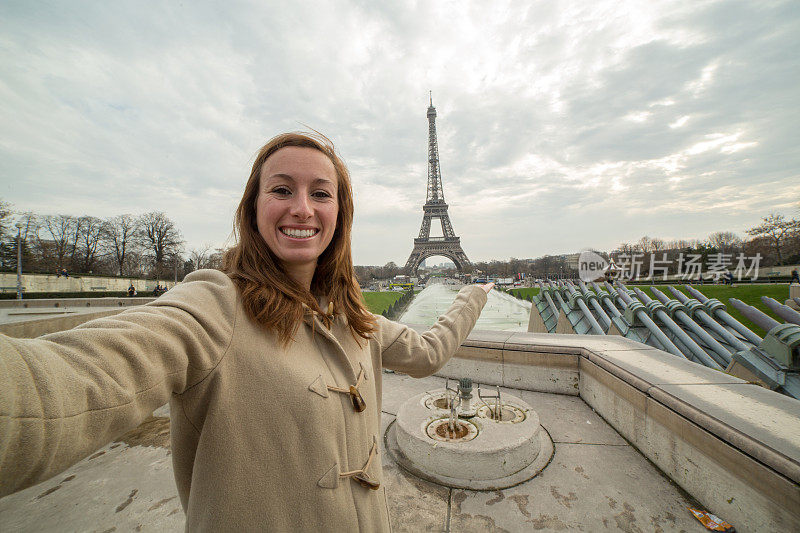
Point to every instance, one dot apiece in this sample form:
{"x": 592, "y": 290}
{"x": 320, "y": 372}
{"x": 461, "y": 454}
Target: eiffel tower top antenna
{"x": 435, "y": 190}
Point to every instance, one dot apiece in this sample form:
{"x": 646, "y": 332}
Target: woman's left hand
{"x": 487, "y": 287}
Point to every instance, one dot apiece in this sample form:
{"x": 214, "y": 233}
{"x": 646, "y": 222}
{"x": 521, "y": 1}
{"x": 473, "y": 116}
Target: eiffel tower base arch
{"x": 426, "y": 249}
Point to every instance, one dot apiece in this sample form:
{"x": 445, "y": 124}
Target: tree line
{"x": 146, "y": 245}
{"x": 776, "y": 240}
{"x": 151, "y": 245}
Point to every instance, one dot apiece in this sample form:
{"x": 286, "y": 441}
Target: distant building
{"x": 571, "y": 260}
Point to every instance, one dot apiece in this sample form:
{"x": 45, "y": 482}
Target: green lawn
{"x": 525, "y": 292}
{"x": 749, "y": 294}
{"x": 378, "y": 302}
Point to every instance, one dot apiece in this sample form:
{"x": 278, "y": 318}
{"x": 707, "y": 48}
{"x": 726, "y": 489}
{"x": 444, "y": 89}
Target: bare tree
{"x": 30, "y": 224}
{"x": 176, "y": 262}
{"x": 776, "y": 228}
{"x": 8, "y": 244}
{"x": 74, "y": 241}
{"x": 724, "y": 241}
{"x": 29, "y": 229}
{"x": 161, "y": 237}
{"x": 136, "y": 263}
{"x": 120, "y": 234}
{"x": 64, "y": 231}
{"x": 5, "y": 218}
{"x": 91, "y": 232}
{"x": 215, "y": 260}
{"x": 683, "y": 244}
{"x": 645, "y": 244}
{"x": 626, "y": 248}
{"x": 200, "y": 257}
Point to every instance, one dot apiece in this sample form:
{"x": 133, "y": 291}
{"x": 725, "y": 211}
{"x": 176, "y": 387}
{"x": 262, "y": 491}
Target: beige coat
{"x": 259, "y": 440}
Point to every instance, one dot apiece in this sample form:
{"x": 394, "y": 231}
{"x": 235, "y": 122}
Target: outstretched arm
{"x": 420, "y": 355}
{"x": 66, "y": 394}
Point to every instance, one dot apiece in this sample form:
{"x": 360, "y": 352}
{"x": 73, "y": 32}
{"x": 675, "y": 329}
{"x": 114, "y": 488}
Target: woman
{"x": 272, "y": 368}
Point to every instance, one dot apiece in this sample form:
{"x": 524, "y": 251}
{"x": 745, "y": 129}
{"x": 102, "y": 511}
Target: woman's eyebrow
{"x": 284, "y": 176}
{"x": 316, "y": 181}
{"x": 324, "y": 181}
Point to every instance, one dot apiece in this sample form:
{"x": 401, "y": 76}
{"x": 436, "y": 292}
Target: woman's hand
{"x": 487, "y": 287}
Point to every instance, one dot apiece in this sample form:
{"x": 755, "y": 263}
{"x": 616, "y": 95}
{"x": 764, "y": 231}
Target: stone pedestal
{"x": 492, "y": 450}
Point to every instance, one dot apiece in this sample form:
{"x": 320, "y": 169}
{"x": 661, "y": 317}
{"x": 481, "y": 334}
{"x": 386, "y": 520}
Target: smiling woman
{"x": 272, "y": 368}
{"x": 298, "y": 186}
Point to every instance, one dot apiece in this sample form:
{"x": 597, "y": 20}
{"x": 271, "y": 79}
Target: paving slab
{"x": 397, "y": 388}
{"x": 130, "y": 488}
{"x": 585, "y": 488}
{"x": 414, "y": 504}
{"x": 569, "y": 419}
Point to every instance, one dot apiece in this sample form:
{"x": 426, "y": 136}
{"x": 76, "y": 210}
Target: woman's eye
{"x": 282, "y": 191}
{"x": 321, "y": 194}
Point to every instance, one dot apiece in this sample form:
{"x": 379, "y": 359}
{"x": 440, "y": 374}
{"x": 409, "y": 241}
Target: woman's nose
{"x": 301, "y": 207}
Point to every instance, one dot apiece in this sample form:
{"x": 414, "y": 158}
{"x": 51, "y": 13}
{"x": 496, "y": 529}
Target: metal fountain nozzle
{"x": 453, "y": 405}
{"x": 454, "y": 402}
{"x": 451, "y": 425}
{"x": 494, "y": 413}
{"x": 468, "y": 410}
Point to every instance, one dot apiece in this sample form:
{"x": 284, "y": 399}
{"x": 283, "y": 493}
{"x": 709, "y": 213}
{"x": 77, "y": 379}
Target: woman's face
{"x": 297, "y": 206}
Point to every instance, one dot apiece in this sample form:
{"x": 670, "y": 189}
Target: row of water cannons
{"x": 696, "y": 328}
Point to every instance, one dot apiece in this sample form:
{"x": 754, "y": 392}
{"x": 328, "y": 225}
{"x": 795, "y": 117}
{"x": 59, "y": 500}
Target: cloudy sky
{"x": 562, "y": 125}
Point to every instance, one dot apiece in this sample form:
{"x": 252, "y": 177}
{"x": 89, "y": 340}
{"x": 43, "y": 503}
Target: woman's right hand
{"x": 487, "y": 287}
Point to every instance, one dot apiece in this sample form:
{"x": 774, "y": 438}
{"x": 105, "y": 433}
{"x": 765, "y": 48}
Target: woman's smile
{"x": 299, "y": 233}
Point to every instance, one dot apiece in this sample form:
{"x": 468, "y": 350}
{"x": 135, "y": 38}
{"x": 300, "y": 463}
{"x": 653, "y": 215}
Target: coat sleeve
{"x": 66, "y": 394}
{"x": 420, "y": 355}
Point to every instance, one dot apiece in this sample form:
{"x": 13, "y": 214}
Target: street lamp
{"x": 19, "y": 261}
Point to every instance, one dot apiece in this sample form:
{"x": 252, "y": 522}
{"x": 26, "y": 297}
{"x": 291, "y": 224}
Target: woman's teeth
{"x": 298, "y": 233}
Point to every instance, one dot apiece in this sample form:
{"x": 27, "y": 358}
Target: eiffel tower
{"x": 448, "y": 245}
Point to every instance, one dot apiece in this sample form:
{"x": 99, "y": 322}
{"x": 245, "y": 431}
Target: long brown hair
{"x": 270, "y": 296}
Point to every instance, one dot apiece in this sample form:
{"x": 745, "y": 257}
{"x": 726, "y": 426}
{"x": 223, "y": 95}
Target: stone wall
{"x": 53, "y": 283}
